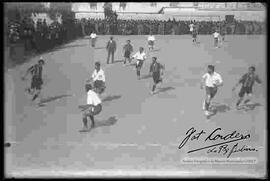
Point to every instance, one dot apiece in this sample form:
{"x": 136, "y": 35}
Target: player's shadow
{"x": 109, "y": 122}
{"x": 68, "y": 46}
{"x": 117, "y": 61}
{"x": 219, "y": 108}
{"x": 155, "y": 50}
{"x": 250, "y": 107}
{"x": 110, "y": 98}
{"x": 146, "y": 76}
{"x": 50, "y": 99}
{"x": 99, "y": 48}
{"x": 164, "y": 89}
{"x": 132, "y": 64}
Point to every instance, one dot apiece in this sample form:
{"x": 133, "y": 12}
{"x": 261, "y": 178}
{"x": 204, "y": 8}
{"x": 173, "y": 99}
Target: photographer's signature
{"x": 222, "y": 146}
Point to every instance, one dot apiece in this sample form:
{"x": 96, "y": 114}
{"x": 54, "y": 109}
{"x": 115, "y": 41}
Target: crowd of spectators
{"x": 40, "y": 36}
{"x": 139, "y": 27}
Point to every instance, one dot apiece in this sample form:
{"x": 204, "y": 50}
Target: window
{"x": 173, "y": 4}
{"x": 93, "y": 6}
{"x": 153, "y": 4}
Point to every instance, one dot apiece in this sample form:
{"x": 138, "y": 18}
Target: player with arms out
{"x": 211, "y": 81}
{"x": 36, "y": 82}
{"x": 140, "y": 56}
{"x": 98, "y": 79}
{"x": 247, "y": 81}
{"x": 92, "y": 108}
{"x": 156, "y": 71}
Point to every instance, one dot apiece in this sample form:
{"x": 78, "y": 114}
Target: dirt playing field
{"x": 136, "y": 131}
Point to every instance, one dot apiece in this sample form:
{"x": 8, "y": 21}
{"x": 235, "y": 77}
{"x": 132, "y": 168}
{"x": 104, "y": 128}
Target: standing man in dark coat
{"x": 111, "y": 48}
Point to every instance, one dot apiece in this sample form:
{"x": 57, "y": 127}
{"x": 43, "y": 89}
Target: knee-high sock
{"x": 34, "y": 97}
{"x": 154, "y": 87}
{"x": 239, "y": 101}
{"x": 92, "y": 120}
{"x": 138, "y": 73}
{"x": 207, "y": 104}
{"x": 85, "y": 121}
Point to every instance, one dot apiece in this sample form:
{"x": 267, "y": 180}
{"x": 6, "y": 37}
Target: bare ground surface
{"x": 136, "y": 130}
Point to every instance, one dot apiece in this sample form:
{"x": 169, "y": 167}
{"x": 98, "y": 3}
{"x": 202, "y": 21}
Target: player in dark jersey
{"x": 247, "y": 81}
{"x": 36, "y": 82}
{"x": 194, "y": 35}
{"x": 223, "y": 33}
{"x": 156, "y": 72}
{"x": 127, "y": 49}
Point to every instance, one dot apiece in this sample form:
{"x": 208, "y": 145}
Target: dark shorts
{"x": 93, "y": 42}
{"x": 156, "y": 78}
{"x": 97, "y": 110}
{"x": 127, "y": 54}
{"x": 194, "y": 35}
{"x": 100, "y": 86}
{"x": 211, "y": 91}
{"x": 216, "y": 40}
{"x": 139, "y": 65}
{"x": 245, "y": 90}
{"x": 36, "y": 83}
{"x": 151, "y": 43}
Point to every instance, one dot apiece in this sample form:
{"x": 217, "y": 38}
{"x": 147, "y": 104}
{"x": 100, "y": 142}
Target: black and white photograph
{"x": 135, "y": 89}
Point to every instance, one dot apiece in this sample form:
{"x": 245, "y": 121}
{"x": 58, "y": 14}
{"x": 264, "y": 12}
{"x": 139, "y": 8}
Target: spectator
{"x": 111, "y": 48}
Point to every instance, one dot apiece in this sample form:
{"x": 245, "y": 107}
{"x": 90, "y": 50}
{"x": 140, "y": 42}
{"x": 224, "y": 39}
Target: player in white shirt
{"x": 92, "y": 108}
{"x": 140, "y": 56}
{"x": 93, "y": 37}
{"x": 216, "y": 38}
{"x": 151, "y": 40}
{"x": 98, "y": 79}
{"x": 211, "y": 81}
{"x": 191, "y": 26}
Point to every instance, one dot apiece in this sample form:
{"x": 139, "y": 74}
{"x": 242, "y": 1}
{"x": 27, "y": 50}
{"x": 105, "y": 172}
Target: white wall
{"x": 185, "y": 13}
{"x": 131, "y": 7}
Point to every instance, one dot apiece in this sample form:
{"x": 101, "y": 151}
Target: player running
{"x": 151, "y": 40}
{"x": 98, "y": 79}
{"x": 211, "y": 81}
{"x": 194, "y": 35}
{"x": 216, "y": 38}
{"x": 247, "y": 81}
{"x": 223, "y": 32}
{"x": 156, "y": 71}
{"x": 191, "y": 27}
{"x": 36, "y": 82}
{"x": 92, "y": 108}
{"x": 127, "y": 49}
{"x": 93, "y": 37}
{"x": 140, "y": 56}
